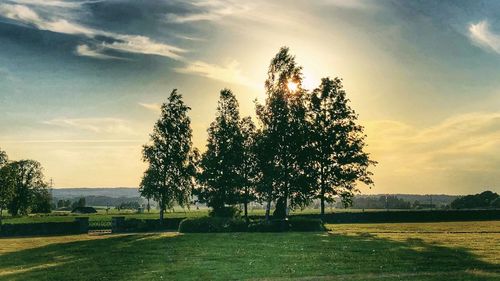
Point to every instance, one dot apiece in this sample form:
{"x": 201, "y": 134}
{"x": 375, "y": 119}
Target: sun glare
{"x": 292, "y": 86}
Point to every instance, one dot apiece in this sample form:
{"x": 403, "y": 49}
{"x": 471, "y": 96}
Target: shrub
{"x": 84, "y": 210}
{"x": 306, "y": 224}
{"x": 225, "y": 212}
{"x": 269, "y": 226}
{"x": 212, "y": 224}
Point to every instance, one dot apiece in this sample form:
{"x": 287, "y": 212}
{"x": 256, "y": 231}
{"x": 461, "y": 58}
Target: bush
{"x": 84, "y": 210}
{"x": 211, "y": 225}
{"x": 306, "y": 224}
{"x": 269, "y": 226}
{"x": 225, "y": 212}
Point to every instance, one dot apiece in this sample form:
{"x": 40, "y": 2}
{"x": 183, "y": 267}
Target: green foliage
{"x": 7, "y": 182}
{"x": 221, "y": 175}
{"x": 305, "y": 224}
{"x": 269, "y": 226}
{"x": 41, "y": 201}
{"x": 169, "y": 177}
{"x": 486, "y": 199}
{"x": 212, "y": 224}
{"x": 28, "y": 181}
{"x": 225, "y": 212}
{"x": 339, "y": 159}
{"x": 282, "y": 144}
{"x": 129, "y": 206}
{"x": 291, "y": 224}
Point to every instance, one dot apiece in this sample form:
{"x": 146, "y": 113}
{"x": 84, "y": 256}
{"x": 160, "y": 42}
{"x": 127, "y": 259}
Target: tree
{"x": 221, "y": 178}
{"x": 28, "y": 179}
{"x": 81, "y": 202}
{"x": 41, "y": 201}
{"x": 249, "y": 169}
{"x": 169, "y": 177}
{"x": 340, "y": 161}
{"x": 6, "y": 182}
{"x": 283, "y": 141}
{"x": 480, "y": 200}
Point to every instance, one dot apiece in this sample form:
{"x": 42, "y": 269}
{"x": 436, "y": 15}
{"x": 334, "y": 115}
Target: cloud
{"x": 95, "y": 125}
{"x": 86, "y": 51}
{"x": 462, "y": 151}
{"x": 227, "y": 73}
{"x": 213, "y": 10}
{"x": 156, "y": 107}
{"x": 119, "y": 42}
{"x": 482, "y": 35}
{"x": 56, "y": 3}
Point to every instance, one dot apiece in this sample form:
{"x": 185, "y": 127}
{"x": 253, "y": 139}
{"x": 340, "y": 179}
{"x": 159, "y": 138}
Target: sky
{"x": 81, "y": 81}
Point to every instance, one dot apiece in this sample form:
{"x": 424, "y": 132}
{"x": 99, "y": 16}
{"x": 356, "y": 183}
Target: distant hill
{"x": 115, "y": 192}
{"x": 117, "y": 195}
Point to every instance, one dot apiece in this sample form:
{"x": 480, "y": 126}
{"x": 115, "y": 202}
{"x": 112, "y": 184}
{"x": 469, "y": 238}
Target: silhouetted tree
{"x": 221, "y": 178}
{"x": 6, "y": 182}
{"x": 249, "y": 169}
{"x": 169, "y": 177}
{"x": 282, "y": 141}
{"x": 480, "y": 200}
{"x": 340, "y": 161}
{"x": 28, "y": 180}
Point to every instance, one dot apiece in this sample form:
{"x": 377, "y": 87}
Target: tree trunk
{"x": 322, "y": 205}
{"x": 246, "y": 210}
{"x": 268, "y": 208}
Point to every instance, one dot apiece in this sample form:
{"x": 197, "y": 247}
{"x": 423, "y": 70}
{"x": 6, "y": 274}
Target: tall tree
{"x": 283, "y": 138}
{"x": 28, "y": 179}
{"x": 169, "y": 177}
{"x": 221, "y": 165}
{"x": 340, "y": 161}
{"x": 249, "y": 168}
{"x": 6, "y": 182}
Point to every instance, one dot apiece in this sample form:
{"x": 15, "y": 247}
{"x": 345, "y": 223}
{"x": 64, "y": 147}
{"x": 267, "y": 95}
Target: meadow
{"x": 406, "y": 251}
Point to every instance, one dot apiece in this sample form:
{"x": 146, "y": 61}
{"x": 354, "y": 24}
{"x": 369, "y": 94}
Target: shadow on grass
{"x": 314, "y": 256}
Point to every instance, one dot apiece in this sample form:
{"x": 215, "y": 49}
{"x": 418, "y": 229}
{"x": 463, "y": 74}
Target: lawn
{"x": 421, "y": 251}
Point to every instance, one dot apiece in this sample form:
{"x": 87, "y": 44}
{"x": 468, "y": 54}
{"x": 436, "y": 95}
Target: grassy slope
{"x": 348, "y": 252}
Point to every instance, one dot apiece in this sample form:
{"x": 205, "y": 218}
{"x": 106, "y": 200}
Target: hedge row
{"x": 410, "y": 216}
{"x": 48, "y": 228}
{"x": 214, "y": 224}
{"x": 147, "y": 225}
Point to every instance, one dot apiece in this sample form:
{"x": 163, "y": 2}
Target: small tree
{"x": 6, "y": 182}
{"x": 340, "y": 161}
{"x": 169, "y": 177}
{"x": 221, "y": 165}
{"x": 28, "y": 179}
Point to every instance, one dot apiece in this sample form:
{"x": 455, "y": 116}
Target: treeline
{"x": 22, "y": 187}
{"x": 307, "y": 145}
{"x": 484, "y": 200}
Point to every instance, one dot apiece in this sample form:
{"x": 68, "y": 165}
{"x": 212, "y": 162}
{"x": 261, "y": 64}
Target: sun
{"x": 292, "y": 86}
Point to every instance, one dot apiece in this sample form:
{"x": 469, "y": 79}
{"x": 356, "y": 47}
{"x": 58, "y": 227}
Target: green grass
{"x": 419, "y": 251}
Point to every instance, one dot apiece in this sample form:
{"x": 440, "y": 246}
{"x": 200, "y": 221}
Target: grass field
{"x": 420, "y": 251}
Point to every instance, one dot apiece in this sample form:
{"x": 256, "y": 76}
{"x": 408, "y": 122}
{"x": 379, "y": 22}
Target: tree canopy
{"x": 169, "y": 177}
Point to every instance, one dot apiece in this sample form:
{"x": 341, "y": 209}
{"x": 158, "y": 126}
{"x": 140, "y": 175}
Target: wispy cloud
{"x": 482, "y": 35}
{"x": 229, "y": 73}
{"x": 86, "y": 51}
{"x": 95, "y": 125}
{"x": 156, "y": 107}
{"x": 209, "y": 11}
{"x": 119, "y": 42}
{"x": 464, "y": 147}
